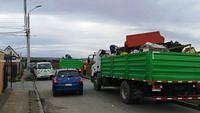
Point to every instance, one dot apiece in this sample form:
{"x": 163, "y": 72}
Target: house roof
{"x": 13, "y": 51}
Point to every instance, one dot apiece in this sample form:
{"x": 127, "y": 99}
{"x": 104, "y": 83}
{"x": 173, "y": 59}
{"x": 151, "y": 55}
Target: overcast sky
{"x": 80, "y": 27}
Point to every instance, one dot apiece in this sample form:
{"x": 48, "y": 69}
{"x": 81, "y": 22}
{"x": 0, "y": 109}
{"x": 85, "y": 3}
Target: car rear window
{"x": 67, "y": 73}
{"x": 44, "y": 66}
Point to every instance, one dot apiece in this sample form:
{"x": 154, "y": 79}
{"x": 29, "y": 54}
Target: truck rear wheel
{"x": 125, "y": 92}
{"x": 97, "y": 83}
{"x": 137, "y": 96}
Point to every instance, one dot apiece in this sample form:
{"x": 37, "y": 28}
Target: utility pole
{"x": 27, "y": 31}
{"x": 28, "y": 42}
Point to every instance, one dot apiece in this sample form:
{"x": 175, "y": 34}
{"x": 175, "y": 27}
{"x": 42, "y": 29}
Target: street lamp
{"x": 38, "y": 6}
{"x": 28, "y": 34}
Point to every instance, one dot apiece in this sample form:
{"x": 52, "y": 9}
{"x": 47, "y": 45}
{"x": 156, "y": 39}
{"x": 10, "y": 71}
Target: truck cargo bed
{"x": 71, "y": 63}
{"x": 153, "y": 66}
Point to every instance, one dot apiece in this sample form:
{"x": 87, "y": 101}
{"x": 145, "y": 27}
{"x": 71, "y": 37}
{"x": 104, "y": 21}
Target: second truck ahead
{"x": 70, "y": 63}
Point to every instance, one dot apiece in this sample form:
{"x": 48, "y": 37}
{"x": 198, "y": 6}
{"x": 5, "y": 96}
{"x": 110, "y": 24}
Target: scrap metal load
{"x": 137, "y": 40}
{"x": 148, "y": 67}
{"x": 155, "y": 42}
{"x": 144, "y": 42}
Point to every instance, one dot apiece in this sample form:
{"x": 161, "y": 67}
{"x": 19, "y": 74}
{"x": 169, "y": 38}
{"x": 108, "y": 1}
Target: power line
{"x": 12, "y": 27}
{"x": 19, "y": 48}
{"x": 21, "y": 31}
{"x": 7, "y": 19}
{"x": 11, "y": 19}
{"x": 10, "y": 23}
{"x": 12, "y": 32}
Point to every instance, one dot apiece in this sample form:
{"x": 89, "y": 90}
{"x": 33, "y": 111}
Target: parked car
{"x": 44, "y": 70}
{"x": 67, "y": 80}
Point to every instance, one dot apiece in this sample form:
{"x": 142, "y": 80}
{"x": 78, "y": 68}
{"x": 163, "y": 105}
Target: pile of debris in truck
{"x": 152, "y": 41}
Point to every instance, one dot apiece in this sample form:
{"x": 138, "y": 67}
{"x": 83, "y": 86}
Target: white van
{"x": 44, "y": 70}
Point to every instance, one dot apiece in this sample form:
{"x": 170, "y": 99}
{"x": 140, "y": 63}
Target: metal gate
{"x": 5, "y": 78}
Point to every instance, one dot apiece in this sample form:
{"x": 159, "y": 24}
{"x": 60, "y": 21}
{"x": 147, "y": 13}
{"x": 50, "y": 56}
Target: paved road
{"x": 105, "y": 101}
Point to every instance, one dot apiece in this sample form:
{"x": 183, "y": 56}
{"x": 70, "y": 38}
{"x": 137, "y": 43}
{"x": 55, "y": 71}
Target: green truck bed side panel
{"x": 71, "y": 63}
{"x": 137, "y": 66}
{"x": 152, "y": 66}
{"x": 106, "y": 66}
{"x": 175, "y": 66}
{"x": 119, "y": 66}
{"x": 124, "y": 66}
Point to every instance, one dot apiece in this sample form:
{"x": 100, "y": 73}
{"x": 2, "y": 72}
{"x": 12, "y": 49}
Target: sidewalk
{"x": 23, "y": 98}
{"x": 4, "y": 97}
{"x": 18, "y": 102}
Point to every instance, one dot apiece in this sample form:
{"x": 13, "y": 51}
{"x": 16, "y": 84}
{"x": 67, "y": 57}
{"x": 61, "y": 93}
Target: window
{"x": 67, "y": 73}
{"x": 44, "y": 66}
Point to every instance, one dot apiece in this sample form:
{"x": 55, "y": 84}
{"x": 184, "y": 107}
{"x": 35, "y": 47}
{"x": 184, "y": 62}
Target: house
{"x": 10, "y": 51}
{"x": 16, "y": 60}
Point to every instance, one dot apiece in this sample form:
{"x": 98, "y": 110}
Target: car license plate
{"x": 68, "y": 84}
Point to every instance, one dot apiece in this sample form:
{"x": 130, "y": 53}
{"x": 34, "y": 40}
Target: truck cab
{"x": 94, "y": 63}
{"x": 95, "y": 60}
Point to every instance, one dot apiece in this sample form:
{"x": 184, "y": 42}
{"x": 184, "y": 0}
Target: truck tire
{"x": 125, "y": 92}
{"x": 137, "y": 96}
{"x": 97, "y": 83}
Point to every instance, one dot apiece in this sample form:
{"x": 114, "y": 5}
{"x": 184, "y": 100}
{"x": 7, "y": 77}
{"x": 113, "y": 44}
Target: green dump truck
{"x": 71, "y": 63}
{"x": 163, "y": 76}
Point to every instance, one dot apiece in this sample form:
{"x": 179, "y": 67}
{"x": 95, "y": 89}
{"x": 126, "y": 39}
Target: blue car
{"x": 67, "y": 80}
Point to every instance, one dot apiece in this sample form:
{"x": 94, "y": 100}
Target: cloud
{"x": 8, "y": 6}
{"x": 75, "y": 34}
{"x": 80, "y": 27}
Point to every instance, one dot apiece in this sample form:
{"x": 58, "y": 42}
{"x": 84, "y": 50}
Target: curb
{"x": 39, "y": 102}
{"x": 38, "y": 99}
{"x": 190, "y": 105}
{"x": 4, "y": 97}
